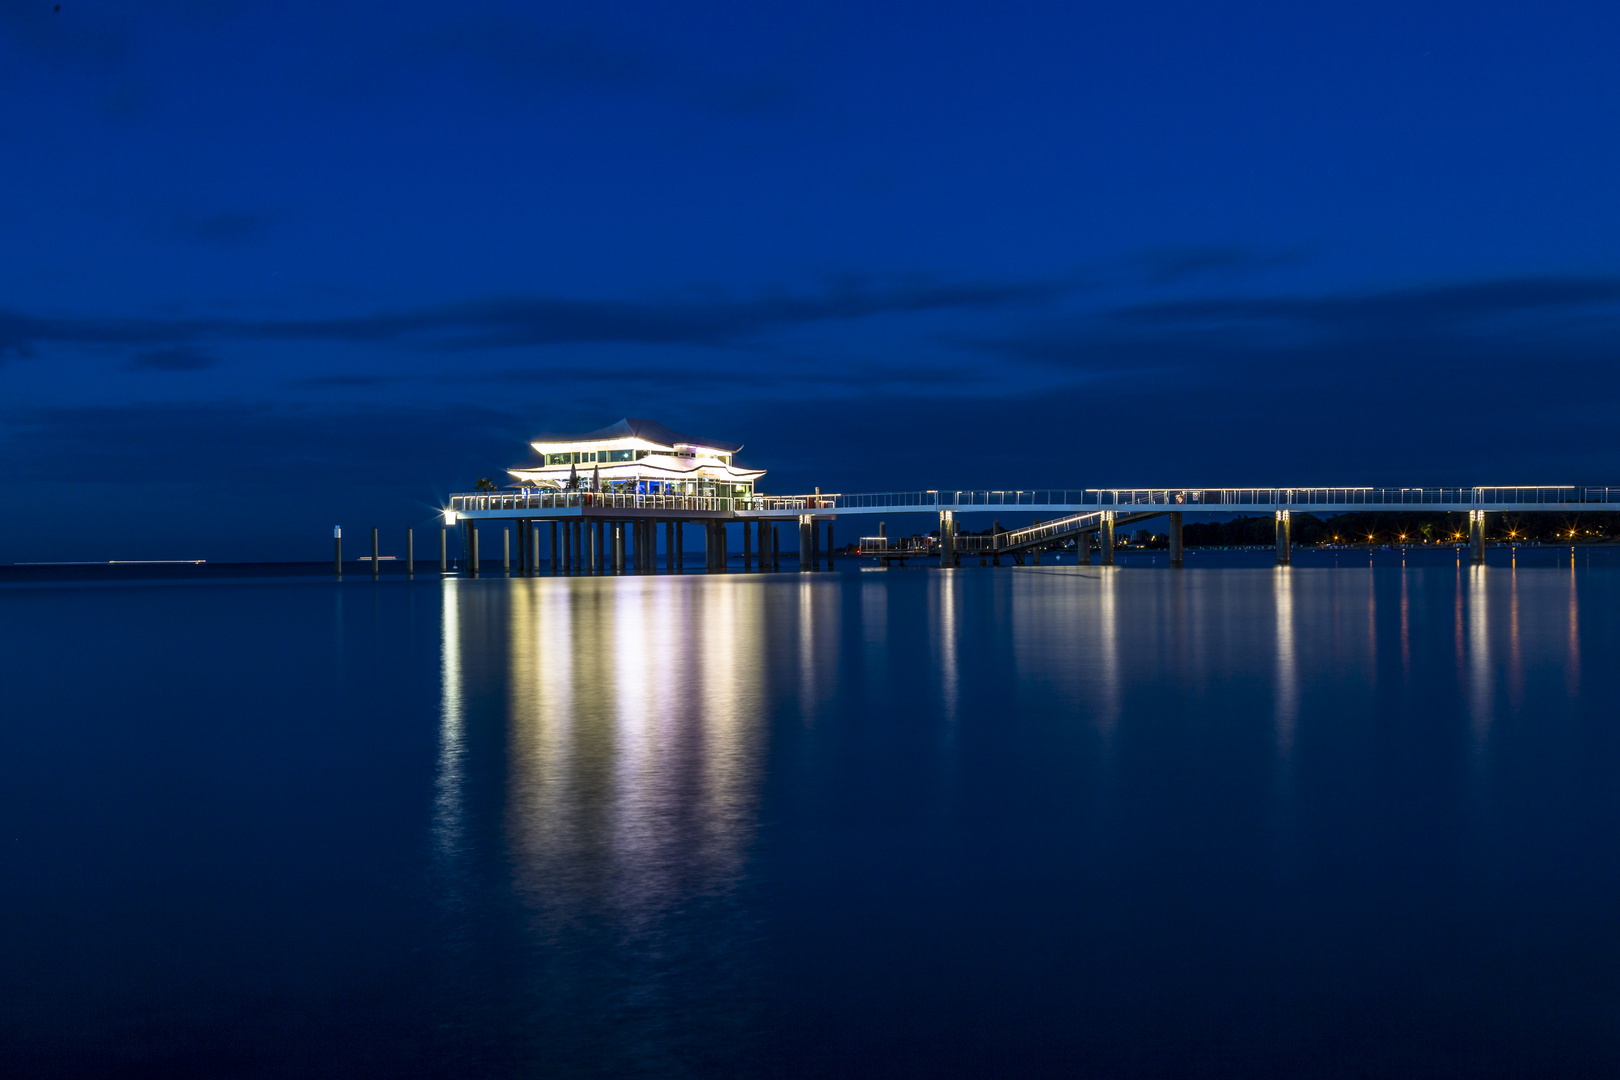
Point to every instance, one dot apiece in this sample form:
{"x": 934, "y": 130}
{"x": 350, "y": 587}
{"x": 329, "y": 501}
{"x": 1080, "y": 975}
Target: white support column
{"x": 947, "y": 539}
{"x": 1285, "y": 540}
{"x": 1476, "y": 536}
{"x": 1106, "y": 535}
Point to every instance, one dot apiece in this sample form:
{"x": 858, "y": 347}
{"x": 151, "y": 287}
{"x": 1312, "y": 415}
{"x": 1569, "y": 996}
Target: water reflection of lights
{"x": 1406, "y": 625}
{"x": 818, "y": 643}
{"x": 1572, "y": 656}
{"x": 632, "y": 735}
{"x": 946, "y": 620}
{"x": 1112, "y": 689}
{"x": 875, "y": 628}
{"x": 1515, "y": 650}
{"x": 1287, "y": 660}
{"x": 447, "y": 809}
{"x": 1481, "y": 686}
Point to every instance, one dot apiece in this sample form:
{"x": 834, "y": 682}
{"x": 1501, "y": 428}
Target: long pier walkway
{"x": 588, "y": 530}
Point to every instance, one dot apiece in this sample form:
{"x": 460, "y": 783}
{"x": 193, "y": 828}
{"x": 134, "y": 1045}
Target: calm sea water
{"x": 1337, "y": 820}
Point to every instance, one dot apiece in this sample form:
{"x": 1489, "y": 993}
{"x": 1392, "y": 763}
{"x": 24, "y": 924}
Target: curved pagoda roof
{"x": 646, "y": 430}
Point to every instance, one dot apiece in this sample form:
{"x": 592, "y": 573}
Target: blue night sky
{"x": 267, "y": 268}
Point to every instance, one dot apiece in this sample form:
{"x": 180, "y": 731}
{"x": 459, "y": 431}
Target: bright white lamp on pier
{"x": 449, "y": 517}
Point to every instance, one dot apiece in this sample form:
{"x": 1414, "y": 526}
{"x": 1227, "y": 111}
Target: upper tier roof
{"x": 646, "y": 430}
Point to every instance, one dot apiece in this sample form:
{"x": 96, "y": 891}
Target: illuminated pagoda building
{"x": 638, "y": 457}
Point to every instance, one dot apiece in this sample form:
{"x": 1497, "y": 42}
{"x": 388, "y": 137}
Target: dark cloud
{"x": 1411, "y": 310}
{"x": 525, "y": 53}
{"x": 345, "y": 382}
{"x": 175, "y": 359}
{"x": 229, "y": 229}
{"x": 676, "y": 378}
{"x": 546, "y": 320}
{"x": 524, "y": 56}
{"x": 1569, "y": 321}
{"x": 257, "y": 445}
{"x": 1173, "y": 265}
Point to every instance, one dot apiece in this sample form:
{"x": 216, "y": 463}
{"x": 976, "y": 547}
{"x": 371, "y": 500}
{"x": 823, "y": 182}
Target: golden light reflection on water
{"x": 1287, "y": 660}
{"x": 1481, "y": 686}
{"x": 1572, "y": 656}
{"x": 1111, "y": 686}
{"x": 448, "y": 814}
{"x": 633, "y": 735}
{"x": 1113, "y": 636}
{"x": 945, "y": 603}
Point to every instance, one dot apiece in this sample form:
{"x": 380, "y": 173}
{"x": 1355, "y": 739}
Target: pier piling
{"x": 472, "y": 552}
{"x": 444, "y": 551}
{"x": 410, "y": 551}
{"x": 1284, "y": 538}
{"x": 375, "y": 564}
{"x": 337, "y": 550}
{"x": 1175, "y": 539}
{"x": 1106, "y": 535}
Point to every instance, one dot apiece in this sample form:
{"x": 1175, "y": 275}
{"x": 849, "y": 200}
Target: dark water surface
{"x": 1227, "y": 821}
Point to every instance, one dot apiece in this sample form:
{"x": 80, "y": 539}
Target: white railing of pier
{"x": 506, "y": 501}
{"x": 1335, "y": 498}
{"x": 967, "y": 501}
